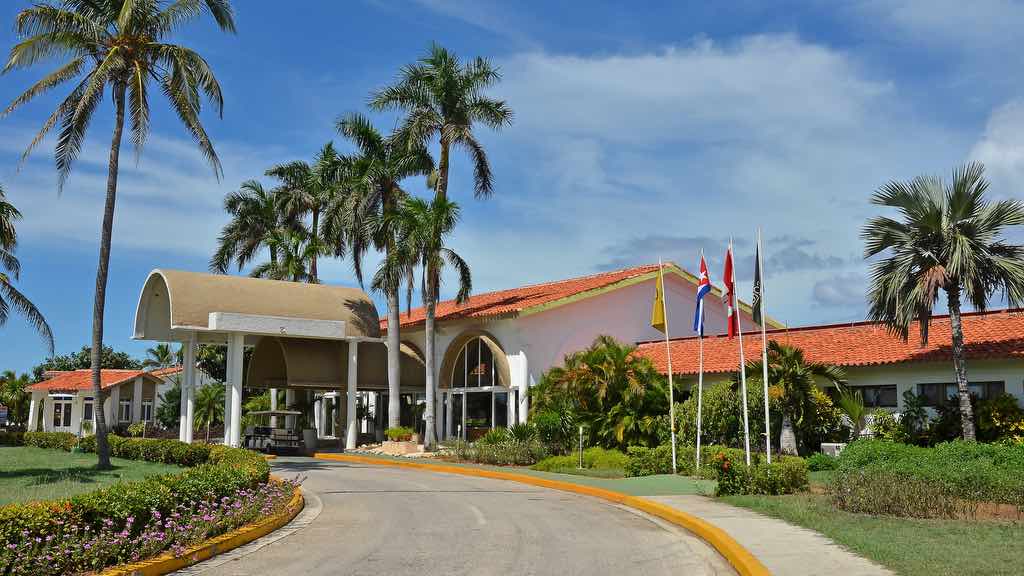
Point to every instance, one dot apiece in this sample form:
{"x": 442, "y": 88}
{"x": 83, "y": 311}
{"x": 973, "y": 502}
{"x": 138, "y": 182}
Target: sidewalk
{"x": 785, "y": 549}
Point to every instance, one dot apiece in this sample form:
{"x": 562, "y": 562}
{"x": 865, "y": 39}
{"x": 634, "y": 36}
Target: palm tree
{"x": 309, "y": 189}
{"x": 14, "y": 395}
{"x": 159, "y": 356}
{"x": 115, "y": 44}
{"x": 209, "y": 407}
{"x": 293, "y": 250}
{"x": 9, "y": 295}
{"x": 949, "y": 238}
{"x": 375, "y": 195}
{"x": 443, "y": 98}
{"x": 797, "y": 378}
{"x": 851, "y": 402}
{"x": 422, "y": 228}
{"x": 256, "y": 213}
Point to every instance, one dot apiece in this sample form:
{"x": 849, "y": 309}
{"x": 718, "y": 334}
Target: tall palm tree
{"x": 117, "y": 45}
{"x": 309, "y": 189}
{"x": 443, "y": 98}
{"x": 789, "y": 370}
{"x": 374, "y": 196}
{"x": 10, "y": 270}
{"x": 256, "y": 213}
{"x": 949, "y": 238}
{"x": 209, "y": 407}
{"x": 160, "y": 356}
{"x": 14, "y": 395}
{"x": 422, "y": 229}
{"x": 293, "y": 250}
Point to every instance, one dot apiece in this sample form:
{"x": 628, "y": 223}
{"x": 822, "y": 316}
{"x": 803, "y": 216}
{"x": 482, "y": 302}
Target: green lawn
{"x": 28, "y": 473}
{"x": 907, "y": 546}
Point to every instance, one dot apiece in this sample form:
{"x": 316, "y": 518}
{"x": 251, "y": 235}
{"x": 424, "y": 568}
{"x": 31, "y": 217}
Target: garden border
{"x": 168, "y": 562}
{"x": 741, "y": 559}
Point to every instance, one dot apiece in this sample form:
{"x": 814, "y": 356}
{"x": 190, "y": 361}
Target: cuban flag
{"x": 703, "y": 288}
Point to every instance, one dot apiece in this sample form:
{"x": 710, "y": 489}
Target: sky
{"x": 641, "y": 132}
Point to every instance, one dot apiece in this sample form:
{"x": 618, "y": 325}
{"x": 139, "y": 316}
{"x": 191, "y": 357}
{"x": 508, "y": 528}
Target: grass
{"x": 28, "y": 473}
{"x": 908, "y": 546}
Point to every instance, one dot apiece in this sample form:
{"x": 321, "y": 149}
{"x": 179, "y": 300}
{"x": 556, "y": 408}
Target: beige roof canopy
{"x": 174, "y": 303}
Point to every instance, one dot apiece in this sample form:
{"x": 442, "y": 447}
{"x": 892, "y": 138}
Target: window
{"x": 124, "y": 414}
{"x": 878, "y": 396}
{"x": 936, "y": 393}
{"x": 147, "y": 410}
{"x": 87, "y": 409}
{"x": 474, "y": 368}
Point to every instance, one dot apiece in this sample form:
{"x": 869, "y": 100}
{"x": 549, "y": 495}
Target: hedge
{"x": 594, "y": 458}
{"x": 947, "y": 480}
{"x": 645, "y": 461}
{"x": 12, "y": 438}
{"x": 215, "y": 472}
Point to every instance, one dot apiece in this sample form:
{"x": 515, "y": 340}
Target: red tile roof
{"x": 80, "y": 380}
{"x": 513, "y": 301}
{"x": 166, "y": 371}
{"x": 997, "y": 334}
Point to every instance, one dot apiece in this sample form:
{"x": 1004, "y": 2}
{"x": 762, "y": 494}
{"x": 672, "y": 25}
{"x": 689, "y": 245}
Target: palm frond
{"x": 10, "y": 296}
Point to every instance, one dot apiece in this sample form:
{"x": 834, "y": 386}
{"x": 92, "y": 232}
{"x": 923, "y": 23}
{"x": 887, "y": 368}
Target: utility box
{"x": 832, "y": 448}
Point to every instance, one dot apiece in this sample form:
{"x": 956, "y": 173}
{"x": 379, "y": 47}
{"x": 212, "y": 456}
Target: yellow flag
{"x": 658, "y": 309}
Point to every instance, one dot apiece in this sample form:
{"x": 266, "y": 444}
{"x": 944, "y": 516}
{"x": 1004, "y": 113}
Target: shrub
{"x": 137, "y": 429}
{"x": 595, "y": 458}
{"x": 55, "y": 440}
{"x": 522, "y": 432}
{"x": 648, "y": 461}
{"x": 507, "y": 453}
{"x": 494, "y": 436}
{"x": 645, "y": 461}
{"x": 12, "y": 438}
{"x": 554, "y": 429}
{"x": 784, "y": 476}
{"x": 817, "y": 462}
{"x": 399, "y": 433}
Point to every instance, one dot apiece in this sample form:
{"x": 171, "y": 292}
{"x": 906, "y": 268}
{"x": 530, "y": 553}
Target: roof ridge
{"x": 554, "y": 282}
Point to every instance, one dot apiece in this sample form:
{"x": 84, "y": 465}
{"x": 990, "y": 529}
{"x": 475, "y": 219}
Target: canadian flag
{"x": 729, "y": 296}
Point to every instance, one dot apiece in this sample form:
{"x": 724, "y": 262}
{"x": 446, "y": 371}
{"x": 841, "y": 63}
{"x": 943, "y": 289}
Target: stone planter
{"x": 400, "y": 448}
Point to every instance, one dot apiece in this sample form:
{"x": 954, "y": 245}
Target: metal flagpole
{"x": 700, "y": 368}
{"x": 668, "y": 353}
{"x": 743, "y": 368}
{"x": 764, "y": 353}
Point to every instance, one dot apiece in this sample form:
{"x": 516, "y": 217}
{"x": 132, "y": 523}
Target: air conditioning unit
{"x": 832, "y": 448}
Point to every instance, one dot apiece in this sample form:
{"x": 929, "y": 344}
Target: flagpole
{"x": 743, "y": 369}
{"x": 764, "y": 352}
{"x": 668, "y": 354}
{"x": 700, "y": 370}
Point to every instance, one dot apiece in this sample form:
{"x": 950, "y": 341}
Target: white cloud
{"x": 1001, "y": 148}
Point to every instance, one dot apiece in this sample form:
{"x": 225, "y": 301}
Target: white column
{"x": 115, "y": 405}
{"x": 33, "y": 412}
{"x": 108, "y": 408}
{"x": 521, "y": 380}
{"x": 137, "y": 400}
{"x": 77, "y": 408}
{"x": 319, "y": 414}
{"x": 229, "y": 370}
{"x": 47, "y": 414}
{"x": 273, "y": 406}
{"x": 350, "y": 381}
{"x": 448, "y": 415}
{"x": 188, "y": 382}
{"x": 236, "y": 349}
{"x": 289, "y": 401}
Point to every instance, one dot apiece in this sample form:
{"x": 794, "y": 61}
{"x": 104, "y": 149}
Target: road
{"x": 382, "y": 520}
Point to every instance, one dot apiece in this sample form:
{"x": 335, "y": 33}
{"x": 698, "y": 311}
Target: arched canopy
{"x": 173, "y": 304}
{"x": 486, "y": 338}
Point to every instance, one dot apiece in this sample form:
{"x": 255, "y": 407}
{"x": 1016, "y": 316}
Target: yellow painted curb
{"x": 745, "y": 563}
{"x": 168, "y": 562}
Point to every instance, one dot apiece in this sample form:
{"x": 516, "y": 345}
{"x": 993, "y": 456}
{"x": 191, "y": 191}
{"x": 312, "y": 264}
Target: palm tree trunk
{"x": 430, "y": 437}
{"x": 315, "y": 234}
{"x": 959, "y": 365}
{"x": 99, "y": 299}
{"x": 394, "y": 357}
{"x": 441, "y": 191}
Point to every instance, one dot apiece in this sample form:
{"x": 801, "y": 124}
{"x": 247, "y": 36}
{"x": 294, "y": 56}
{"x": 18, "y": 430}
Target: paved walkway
{"x": 785, "y": 549}
{"x": 381, "y": 520}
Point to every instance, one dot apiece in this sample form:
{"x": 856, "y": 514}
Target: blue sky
{"x": 639, "y": 133}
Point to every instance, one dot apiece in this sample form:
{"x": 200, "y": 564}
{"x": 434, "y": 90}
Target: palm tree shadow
{"x": 45, "y": 476}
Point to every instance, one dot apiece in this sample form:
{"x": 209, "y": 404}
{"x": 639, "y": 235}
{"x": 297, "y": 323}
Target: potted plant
{"x": 400, "y": 441}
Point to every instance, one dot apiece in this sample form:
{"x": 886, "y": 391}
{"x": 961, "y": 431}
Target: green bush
{"x": 963, "y": 473}
{"x": 595, "y": 458}
{"x": 648, "y": 461}
{"x": 817, "y": 462}
{"x": 554, "y": 429}
{"x": 56, "y": 440}
{"x": 785, "y": 475}
{"x": 494, "y": 436}
{"x": 399, "y": 433}
{"x": 12, "y": 438}
{"x": 522, "y": 432}
{"x": 509, "y": 453}
{"x": 644, "y": 461}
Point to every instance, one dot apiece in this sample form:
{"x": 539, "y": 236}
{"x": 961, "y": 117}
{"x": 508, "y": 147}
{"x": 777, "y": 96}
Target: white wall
{"x": 908, "y": 375}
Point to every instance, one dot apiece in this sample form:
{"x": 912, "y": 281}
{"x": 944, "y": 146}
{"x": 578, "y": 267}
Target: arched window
{"x": 478, "y": 399}
{"x": 474, "y": 367}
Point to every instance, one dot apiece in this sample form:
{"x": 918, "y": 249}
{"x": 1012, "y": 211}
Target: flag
{"x": 729, "y": 296}
{"x": 758, "y": 285}
{"x": 703, "y": 287}
{"x": 658, "y": 308}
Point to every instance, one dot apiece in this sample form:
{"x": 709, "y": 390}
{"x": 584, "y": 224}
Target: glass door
{"x": 61, "y": 414}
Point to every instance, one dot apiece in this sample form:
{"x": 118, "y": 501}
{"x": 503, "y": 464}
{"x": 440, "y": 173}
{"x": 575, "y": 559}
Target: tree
{"x": 367, "y": 216}
{"x": 422, "y": 228}
{"x": 443, "y": 98}
{"x": 797, "y": 379}
{"x": 117, "y": 45}
{"x": 209, "y": 407}
{"x": 168, "y": 414}
{"x": 160, "y": 356}
{"x": 309, "y": 189}
{"x": 293, "y": 248}
{"x": 10, "y": 270}
{"x": 256, "y": 213}
{"x": 949, "y": 238}
{"x": 15, "y": 396}
{"x": 851, "y": 402}
{"x": 81, "y": 360}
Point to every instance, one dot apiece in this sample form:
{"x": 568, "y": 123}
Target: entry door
{"x": 61, "y": 415}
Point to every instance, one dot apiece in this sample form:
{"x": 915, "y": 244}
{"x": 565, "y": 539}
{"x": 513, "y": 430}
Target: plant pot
{"x": 309, "y": 440}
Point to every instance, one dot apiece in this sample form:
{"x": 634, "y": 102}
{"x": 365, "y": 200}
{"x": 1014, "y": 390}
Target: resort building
{"x": 882, "y": 366}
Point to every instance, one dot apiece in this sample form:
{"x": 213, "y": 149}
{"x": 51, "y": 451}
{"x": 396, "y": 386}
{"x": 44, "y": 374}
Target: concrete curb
{"x": 168, "y": 562}
{"x": 741, "y": 559}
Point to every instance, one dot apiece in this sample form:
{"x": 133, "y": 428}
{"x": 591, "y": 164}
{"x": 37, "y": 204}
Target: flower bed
{"x": 133, "y": 520}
